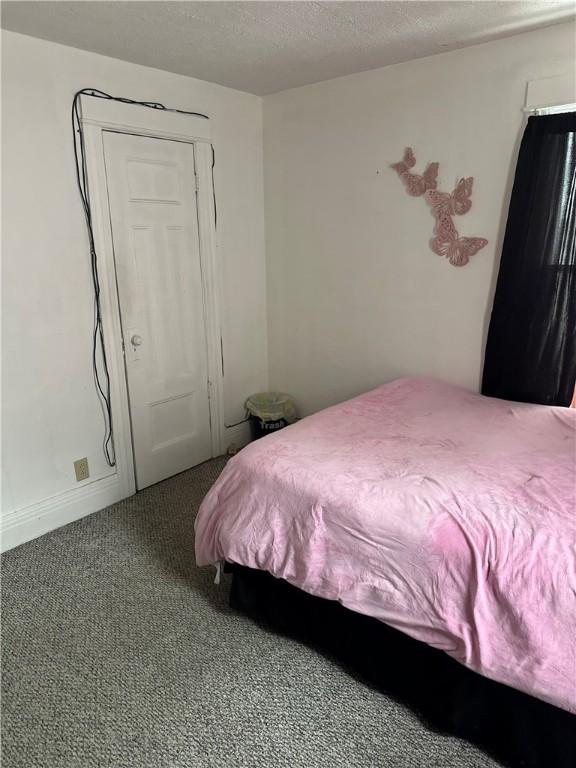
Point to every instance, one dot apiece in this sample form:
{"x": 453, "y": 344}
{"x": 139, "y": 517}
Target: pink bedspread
{"x": 447, "y": 515}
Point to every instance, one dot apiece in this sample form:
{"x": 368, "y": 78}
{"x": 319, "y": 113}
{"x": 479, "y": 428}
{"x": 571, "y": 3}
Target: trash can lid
{"x": 271, "y": 406}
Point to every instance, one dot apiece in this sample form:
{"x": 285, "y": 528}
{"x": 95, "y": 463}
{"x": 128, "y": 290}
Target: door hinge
{"x": 197, "y": 182}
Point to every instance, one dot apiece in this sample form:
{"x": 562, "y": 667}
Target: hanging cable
{"x": 214, "y": 187}
{"x": 242, "y": 421}
{"x": 101, "y": 374}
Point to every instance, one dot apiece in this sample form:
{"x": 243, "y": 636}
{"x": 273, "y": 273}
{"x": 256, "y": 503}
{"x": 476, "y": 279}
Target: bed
{"x": 443, "y": 515}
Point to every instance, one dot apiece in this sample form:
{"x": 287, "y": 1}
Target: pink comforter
{"x": 447, "y": 515}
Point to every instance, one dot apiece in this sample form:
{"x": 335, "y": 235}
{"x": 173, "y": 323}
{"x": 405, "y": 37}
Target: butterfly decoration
{"x": 448, "y": 243}
{"x": 407, "y": 162}
{"x": 443, "y": 205}
{"x": 415, "y": 184}
{"x": 457, "y": 203}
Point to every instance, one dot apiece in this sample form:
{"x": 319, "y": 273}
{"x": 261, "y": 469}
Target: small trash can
{"x": 269, "y": 412}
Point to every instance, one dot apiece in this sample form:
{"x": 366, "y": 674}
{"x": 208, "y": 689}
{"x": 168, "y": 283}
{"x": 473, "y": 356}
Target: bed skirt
{"x": 518, "y": 730}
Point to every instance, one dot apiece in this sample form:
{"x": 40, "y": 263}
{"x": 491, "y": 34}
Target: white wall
{"x": 50, "y": 409}
{"x": 355, "y": 296}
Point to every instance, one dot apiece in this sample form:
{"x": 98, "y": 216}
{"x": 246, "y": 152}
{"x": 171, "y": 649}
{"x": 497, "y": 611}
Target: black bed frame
{"x": 517, "y": 729}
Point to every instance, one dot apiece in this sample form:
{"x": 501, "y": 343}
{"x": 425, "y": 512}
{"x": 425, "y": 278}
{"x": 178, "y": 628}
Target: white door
{"x": 152, "y": 199}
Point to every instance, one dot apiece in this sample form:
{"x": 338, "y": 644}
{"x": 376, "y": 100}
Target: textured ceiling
{"x": 263, "y": 47}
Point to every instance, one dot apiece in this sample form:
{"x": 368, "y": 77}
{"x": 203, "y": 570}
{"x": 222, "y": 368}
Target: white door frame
{"x": 99, "y": 115}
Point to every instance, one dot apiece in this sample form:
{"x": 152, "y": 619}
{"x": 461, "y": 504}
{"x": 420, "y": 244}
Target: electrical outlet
{"x": 81, "y": 469}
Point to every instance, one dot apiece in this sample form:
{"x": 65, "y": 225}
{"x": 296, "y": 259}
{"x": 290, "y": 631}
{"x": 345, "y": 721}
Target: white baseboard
{"x": 32, "y": 521}
{"x": 239, "y": 436}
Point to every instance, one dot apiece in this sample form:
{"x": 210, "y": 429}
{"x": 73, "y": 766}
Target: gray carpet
{"x": 119, "y": 652}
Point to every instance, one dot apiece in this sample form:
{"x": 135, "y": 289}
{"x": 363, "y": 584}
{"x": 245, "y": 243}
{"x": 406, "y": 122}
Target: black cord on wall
{"x": 101, "y": 374}
{"x": 243, "y": 421}
{"x": 214, "y": 187}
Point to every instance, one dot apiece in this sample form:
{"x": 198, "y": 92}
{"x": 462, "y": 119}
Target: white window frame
{"x": 98, "y": 115}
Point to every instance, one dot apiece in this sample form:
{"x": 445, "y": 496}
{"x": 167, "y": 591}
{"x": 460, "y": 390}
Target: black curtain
{"x": 531, "y": 347}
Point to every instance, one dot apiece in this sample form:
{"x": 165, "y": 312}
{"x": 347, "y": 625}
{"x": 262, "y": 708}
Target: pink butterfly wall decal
{"x": 443, "y": 205}
{"x": 448, "y": 243}
{"x": 407, "y": 162}
{"x": 457, "y": 203}
{"x": 415, "y": 184}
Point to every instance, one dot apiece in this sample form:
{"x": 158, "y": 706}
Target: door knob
{"x": 136, "y": 340}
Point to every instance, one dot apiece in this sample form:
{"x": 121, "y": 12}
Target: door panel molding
{"x": 103, "y": 116}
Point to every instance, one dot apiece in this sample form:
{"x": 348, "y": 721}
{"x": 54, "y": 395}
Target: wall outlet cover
{"x": 81, "y": 469}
